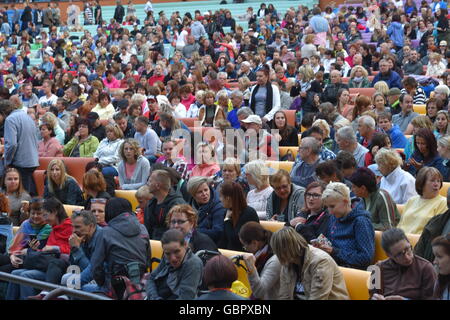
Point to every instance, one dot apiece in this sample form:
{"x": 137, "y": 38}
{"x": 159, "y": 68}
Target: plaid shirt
{"x": 179, "y": 165}
{"x": 325, "y": 155}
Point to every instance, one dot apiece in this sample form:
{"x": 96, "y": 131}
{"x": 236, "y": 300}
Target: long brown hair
{"x": 443, "y": 281}
{"x": 234, "y": 191}
{"x": 21, "y": 188}
{"x": 286, "y": 130}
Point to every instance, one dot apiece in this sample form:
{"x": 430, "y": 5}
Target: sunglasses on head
{"x": 98, "y": 200}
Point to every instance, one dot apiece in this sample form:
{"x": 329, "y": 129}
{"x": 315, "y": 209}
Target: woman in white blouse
{"x": 396, "y": 181}
{"x": 257, "y": 175}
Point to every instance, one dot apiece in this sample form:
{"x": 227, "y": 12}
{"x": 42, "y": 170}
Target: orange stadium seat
{"x": 39, "y": 181}
{"x": 363, "y": 91}
{"x": 75, "y": 166}
{"x": 189, "y": 122}
{"x": 444, "y": 189}
{"x": 290, "y": 117}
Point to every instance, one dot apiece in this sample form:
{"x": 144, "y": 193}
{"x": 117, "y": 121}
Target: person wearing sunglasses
{"x": 312, "y": 220}
{"x": 184, "y": 218}
{"x": 404, "y": 276}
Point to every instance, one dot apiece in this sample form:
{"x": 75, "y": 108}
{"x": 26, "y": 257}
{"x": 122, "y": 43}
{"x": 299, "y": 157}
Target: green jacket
{"x": 87, "y": 147}
{"x": 432, "y": 229}
{"x": 363, "y": 84}
{"x": 382, "y": 209}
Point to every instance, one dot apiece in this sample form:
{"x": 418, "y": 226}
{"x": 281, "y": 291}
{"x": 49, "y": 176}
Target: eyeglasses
{"x": 404, "y": 252}
{"x": 313, "y": 195}
{"x": 179, "y": 222}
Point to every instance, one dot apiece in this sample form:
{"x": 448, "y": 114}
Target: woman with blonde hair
{"x": 359, "y": 78}
{"x": 306, "y": 272}
{"x": 396, "y": 181}
{"x": 245, "y": 87}
{"x": 436, "y": 67}
{"x": 107, "y": 152}
{"x": 134, "y": 169}
{"x": 230, "y": 171}
{"x": 443, "y": 148}
{"x": 350, "y": 232}
{"x": 61, "y": 185}
{"x": 257, "y": 175}
{"x": 51, "y": 119}
{"x": 309, "y": 49}
{"x": 382, "y": 87}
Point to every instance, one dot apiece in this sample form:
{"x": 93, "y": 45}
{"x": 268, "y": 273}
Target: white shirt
{"x": 179, "y": 111}
{"x": 48, "y": 102}
{"x": 258, "y": 201}
{"x": 181, "y": 40}
{"x": 148, "y": 6}
{"x": 400, "y": 184}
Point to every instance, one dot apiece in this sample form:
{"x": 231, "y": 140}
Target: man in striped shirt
{"x": 411, "y": 87}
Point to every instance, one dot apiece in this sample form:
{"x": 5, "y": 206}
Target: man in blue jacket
{"x": 397, "y": 137}
{"x": 387, "y": 75}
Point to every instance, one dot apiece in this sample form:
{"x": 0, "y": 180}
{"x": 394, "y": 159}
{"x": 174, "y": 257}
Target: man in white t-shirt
{"x": 148, "y": 7}
{"x": 48, "y": 99}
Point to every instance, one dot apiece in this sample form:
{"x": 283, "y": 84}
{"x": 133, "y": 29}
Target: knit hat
{"x": 394, "y": 92}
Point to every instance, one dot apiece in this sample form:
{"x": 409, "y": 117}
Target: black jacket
{"x": 69, "y": 194}
{"x": 230, "y": 238}
{"x": 432, "y": 229}
{"x": 99, "y": 132}
{"x": 200, "y": 241}
{"x": 210, "y": 216}
{"x": 119, "y": 13}
{"x": 155, "y": 222}
{"x": 314, "y": 225}
{"x": 331, "y": 91}
{"x": 124, "y": 240}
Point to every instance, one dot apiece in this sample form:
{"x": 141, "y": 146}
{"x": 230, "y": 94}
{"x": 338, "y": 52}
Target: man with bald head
{"x": 332, "y": 89}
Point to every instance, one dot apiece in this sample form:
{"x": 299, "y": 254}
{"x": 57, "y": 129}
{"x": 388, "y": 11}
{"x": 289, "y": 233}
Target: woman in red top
{"x": 58, "y": 241}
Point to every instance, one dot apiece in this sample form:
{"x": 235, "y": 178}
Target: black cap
{"x": 121, "y": 104}
{"x": 93, "y": 116}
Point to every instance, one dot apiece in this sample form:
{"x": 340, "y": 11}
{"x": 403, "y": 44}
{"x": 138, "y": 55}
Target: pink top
{"x": 129, "y": 170}
{"x": 114, "y": 84}
{"x": 190, "y": 100}
{"x": 205, "y": 170}
{"x": 51, "y": 148}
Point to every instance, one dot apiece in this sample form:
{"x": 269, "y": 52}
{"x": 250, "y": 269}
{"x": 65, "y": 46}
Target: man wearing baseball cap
{"x": 254, "y": 130}
{"x": 98, "y": 130}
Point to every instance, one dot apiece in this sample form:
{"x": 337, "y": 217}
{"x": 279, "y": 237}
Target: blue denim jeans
{"x": 20, "y": 292}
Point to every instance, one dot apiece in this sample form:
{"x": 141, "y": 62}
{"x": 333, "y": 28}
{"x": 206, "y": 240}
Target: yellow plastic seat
{"x": 277, "y": 165}
{"x": 284, "y": 151}
{"x": 444, "y": 189}
{"x": 300, "y": 137}
{"x": 357, "y": 283}
{"x": 420, "y": 108}
{"x": 130, "y": 195}
{"x": 157, "y": 252}
{"x": 380, "y": 254}
{"x": 273, "y": 226}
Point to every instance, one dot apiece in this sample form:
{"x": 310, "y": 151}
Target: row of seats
{"x": 380, "y": 254}
{"x": 356, "y": 280}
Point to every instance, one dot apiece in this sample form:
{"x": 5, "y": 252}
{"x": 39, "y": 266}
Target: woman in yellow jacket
{"x": 83, "y": 144}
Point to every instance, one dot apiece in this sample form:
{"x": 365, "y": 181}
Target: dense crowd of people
{"x": 119, "y": 97}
